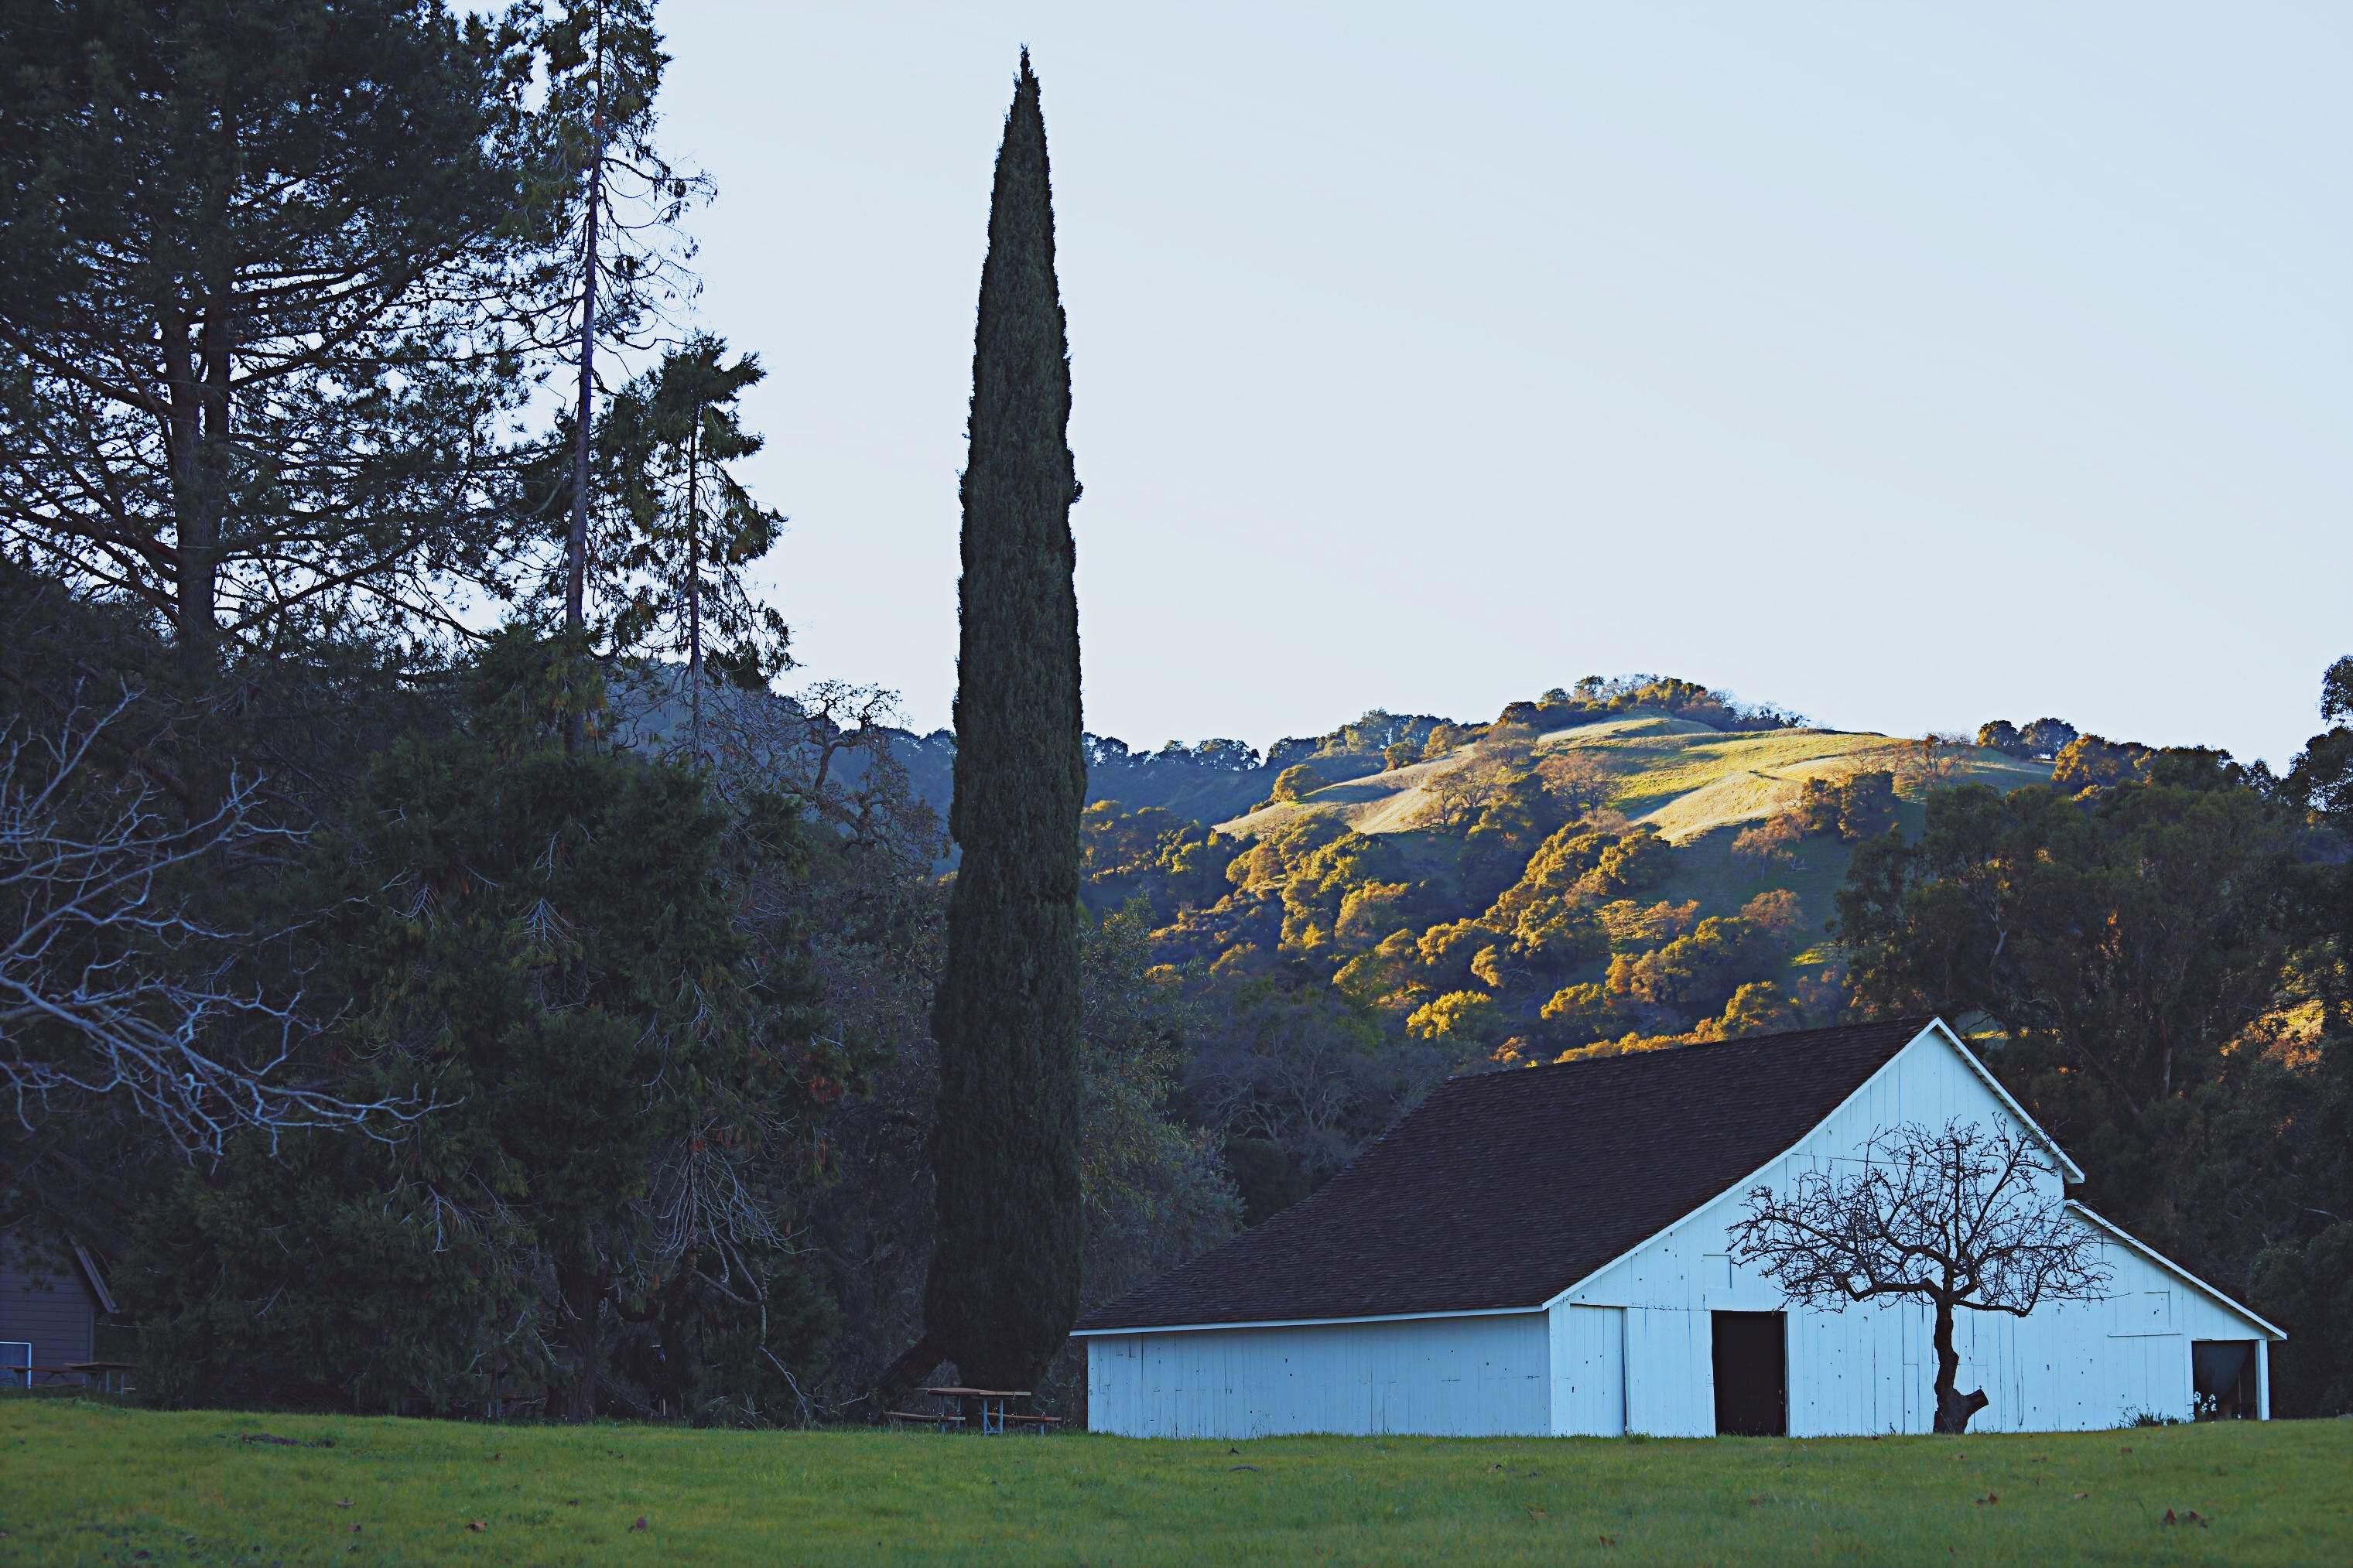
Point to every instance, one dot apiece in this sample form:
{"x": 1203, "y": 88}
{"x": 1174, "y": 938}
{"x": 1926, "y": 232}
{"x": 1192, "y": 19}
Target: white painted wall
{"x": 1588, "y": 1372}
{"x": 1457, "y": 1377}
{"x": 2069, "y": 1367}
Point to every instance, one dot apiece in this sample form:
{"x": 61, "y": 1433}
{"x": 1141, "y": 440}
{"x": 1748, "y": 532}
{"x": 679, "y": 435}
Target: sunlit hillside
{"x": 1685, "y": 779}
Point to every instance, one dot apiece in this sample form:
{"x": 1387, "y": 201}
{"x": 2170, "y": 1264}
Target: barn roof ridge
{"x": 1914, "y": 1022}
{"x": 1475, "y": 1201}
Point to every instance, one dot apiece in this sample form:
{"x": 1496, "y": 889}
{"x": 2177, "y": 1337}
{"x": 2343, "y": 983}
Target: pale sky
{"x": 1908, "y": 366}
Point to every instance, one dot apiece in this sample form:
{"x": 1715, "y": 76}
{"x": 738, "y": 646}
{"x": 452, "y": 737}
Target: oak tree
{"x": 1956, "y": 1219}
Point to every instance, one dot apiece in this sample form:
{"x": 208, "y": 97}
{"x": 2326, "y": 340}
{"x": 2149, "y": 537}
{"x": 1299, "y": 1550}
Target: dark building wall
{"x": 43, "y": 1299}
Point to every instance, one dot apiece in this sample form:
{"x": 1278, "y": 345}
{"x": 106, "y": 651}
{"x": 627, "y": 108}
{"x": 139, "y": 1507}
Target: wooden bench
{"x": 1044, "y": 1424}
{"x": 917, "y": 1417}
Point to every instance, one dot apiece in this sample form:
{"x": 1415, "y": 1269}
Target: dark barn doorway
{"x": 2222, "y": 1377}
{"x": 1752, "y": 1374}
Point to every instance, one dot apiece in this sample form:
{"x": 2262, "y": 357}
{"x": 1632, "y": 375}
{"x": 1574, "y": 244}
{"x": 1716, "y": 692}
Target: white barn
{"x": 1545, "y": 1252}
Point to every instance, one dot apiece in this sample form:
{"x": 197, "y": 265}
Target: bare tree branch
{"x": 110, "y": 986}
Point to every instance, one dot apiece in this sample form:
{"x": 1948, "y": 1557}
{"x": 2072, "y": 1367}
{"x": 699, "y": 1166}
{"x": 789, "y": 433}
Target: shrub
{"x": 2090, "y": 760}
{"x": 1296, "y": 781}
{"x": 1459, "y": 1017}
{"x": 2001, "y": 735}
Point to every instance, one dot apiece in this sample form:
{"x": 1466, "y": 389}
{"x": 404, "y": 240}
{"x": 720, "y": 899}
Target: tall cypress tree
{"x": 1003, "y": 1283}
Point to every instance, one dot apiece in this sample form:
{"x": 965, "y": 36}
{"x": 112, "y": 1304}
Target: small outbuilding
{"x": 51, "y": 1294}
{"x": 1547, "y": 1251}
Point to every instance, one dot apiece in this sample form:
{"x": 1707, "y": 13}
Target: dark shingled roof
{"x": 1505, "y": 1188}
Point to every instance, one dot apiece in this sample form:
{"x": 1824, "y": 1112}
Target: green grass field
{"x": 91, "y": 1483}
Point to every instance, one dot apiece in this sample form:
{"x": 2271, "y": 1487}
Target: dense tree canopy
{"x": 269, "y": 269}
{"x": 1987, "y": 913}
{"x": 2159, "y": 957}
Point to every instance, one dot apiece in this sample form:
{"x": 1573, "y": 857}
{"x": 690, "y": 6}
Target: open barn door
{"x": 1751, "y": 1356}
{"x": 2222, "y": 1374}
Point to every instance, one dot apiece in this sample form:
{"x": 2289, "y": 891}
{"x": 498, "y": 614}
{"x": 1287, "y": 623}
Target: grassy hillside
{"x": 99, "y": 1485}
{"x": 1685, "y": 779}
{"x": 1697, "y": 787}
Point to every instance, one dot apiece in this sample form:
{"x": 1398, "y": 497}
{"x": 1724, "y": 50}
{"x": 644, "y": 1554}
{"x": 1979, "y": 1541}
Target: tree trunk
{"x": 900, "y": 1378}
{"x": 1954, "y": 1408}
{"x": 694, "y": 579}
{"x": 200, "y": 619}
{"x": 575, "y": 543}
{"x": 580, "y": 1298}
{"x": 196, "y": 526}
{"x": 576, "y": 546}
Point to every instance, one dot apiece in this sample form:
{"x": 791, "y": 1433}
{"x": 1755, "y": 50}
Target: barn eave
{"x": 1309, "y": 1322}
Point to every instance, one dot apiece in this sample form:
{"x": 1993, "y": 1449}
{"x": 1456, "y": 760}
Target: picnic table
{"x": 109, "y": 1373}
{"x": 992, "y": 1408}
{"x": 16, "y": 1371}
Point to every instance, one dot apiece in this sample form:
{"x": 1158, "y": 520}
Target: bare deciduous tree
{"x": 1952, "y": 1219}
{"x": 1577, "y": 779}
{"x": 1934, "y": 760}
{"x": 108, "y": 986}
{"x": 1457, "y": 794}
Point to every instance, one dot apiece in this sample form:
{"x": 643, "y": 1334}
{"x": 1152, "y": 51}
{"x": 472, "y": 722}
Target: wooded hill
{"x": 1631, "y": 863}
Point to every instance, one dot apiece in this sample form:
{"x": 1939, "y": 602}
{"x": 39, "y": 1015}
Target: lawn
{"x": 91, "y": 1483}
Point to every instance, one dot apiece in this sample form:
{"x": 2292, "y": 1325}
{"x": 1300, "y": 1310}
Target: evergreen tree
{"x": 622, "y": 202}
{"x": 1003, "y": 1283}
{"x": 594, "y": 967}
{"x": 546, "y": 935}
{"x": 255, "y": 339}
{"x": 705, "y": 528}
{"x": 671, "y": 528}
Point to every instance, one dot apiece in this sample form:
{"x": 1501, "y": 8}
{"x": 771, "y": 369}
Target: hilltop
{"x": 1680, "y": 776}
{"x": 1632, "y": 863}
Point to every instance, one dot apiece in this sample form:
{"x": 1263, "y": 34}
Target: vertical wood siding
{"x": 1588, "y": 1372}
{"x": 44, "y": 1301}
{"x": 2067, "y": 1368}
{"x": 1458, "y": 1377}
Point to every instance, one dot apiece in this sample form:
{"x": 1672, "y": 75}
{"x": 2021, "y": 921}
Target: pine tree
{"x": 604, "y": 64}
{"x": 687, "y": 525}
{"x": 256, "y": 337}
{"x": 1003, "y": 1283}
